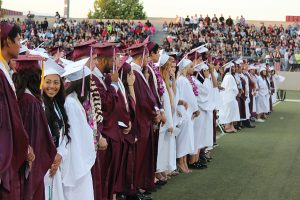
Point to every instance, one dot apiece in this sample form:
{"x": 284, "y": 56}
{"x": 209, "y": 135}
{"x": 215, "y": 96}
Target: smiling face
{"x": 52, "y": 85}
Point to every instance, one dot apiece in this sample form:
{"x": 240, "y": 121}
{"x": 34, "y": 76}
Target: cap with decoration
{"x": 52, "y": 67}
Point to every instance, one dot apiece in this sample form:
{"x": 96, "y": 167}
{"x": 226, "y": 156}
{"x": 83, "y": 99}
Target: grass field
{"x": 254, "y": 164}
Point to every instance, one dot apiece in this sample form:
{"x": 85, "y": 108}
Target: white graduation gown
{"x": 229, "y": 112}
{"x": 76, "y": 168}
{"x": 203, "y": 125}
{"x": 263, "y": 96}
{"x": 54, "y": 186}
{"x": 185, "y": 137}
{"x": 277, "y": 79}
{"x": 166, "y": 156}
{"x": 254, "y": 78}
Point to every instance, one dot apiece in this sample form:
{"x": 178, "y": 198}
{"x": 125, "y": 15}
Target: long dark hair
{"x": 51, "y": 114}
{"x": 76, "y": 86}
{"x": 29, "y": 79}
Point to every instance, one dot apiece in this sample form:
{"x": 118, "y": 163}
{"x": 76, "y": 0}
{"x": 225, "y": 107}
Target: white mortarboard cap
{"x": 262, "y": 67}
{"x": 23, "y": 49}
{"x": 228, "y": 65}
{"x": 40, "y": 50}
{"x": 38, "y": 53}
{"x": 252, "y": 66}
{"x": 51, "y": 67}
{"x": 239, "y": 61}
{"x": 202, "y": 49}
{"x": 65, "y": 62}
{"x": 75, "y": 70}
{"x": 184, "y": 63}
{"x": 201, "y": 66}
{"x": 163, "y": 59}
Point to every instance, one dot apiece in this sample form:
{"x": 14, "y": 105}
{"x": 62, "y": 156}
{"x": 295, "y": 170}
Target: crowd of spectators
{"x": 68, "y": 33}
{"x": 229, "y": 39}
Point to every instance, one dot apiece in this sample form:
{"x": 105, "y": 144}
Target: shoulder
{"x": 28, "y": 99}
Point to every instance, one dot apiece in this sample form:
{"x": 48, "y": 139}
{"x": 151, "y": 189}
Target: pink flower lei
{"x": 160, "y": 86}
{"x": 195, "y": 89}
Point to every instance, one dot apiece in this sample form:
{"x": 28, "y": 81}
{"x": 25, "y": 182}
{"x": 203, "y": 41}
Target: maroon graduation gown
{"x": 143, "y": 129}
{"x": 251, "y": 88}
{"x": 241, "y": 101}
{"x": 13, "y": 142}
{"x": 110, "y": 158}
{"x": 158, "y": 103}
{"x": 125, "y": 177}
{"x": 40, "y": 139}
{"x": 272, "y": 89}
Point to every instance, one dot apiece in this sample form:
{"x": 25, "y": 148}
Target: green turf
{"x": 293, "y": 95}
{"x": 255, "y": 164}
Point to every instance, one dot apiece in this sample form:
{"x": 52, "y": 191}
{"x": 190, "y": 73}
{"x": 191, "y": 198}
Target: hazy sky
{"x": 254, "y": 9}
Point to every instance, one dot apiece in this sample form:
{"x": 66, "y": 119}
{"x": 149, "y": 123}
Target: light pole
{"x": 67, "y": 9}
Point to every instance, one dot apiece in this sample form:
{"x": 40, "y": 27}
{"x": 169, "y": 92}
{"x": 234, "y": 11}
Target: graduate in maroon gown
{"x": 126, "y": 112}
{"x": 105, "y": 77}
{"x": 147, "y": 112}
{"x": 156, "y": 86}
{"x": 13, "y": 137}
{"x": 27, "y": 80}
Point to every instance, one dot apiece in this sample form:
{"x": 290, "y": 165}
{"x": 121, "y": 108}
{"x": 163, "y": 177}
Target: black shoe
{"x": 160, "y": 182}
{"x": 197, "y": 165}
{"x": 121, "y": 197}
{"x": 250, "y": 126}
{"x": 142, "y": 196}
{"x": 201, "y": 165}
{"x": 203, "y": 159}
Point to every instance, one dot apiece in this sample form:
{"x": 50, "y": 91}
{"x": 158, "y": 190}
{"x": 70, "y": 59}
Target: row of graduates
{"x": 115, "y": 127}
{"x": 248, "y": 94}
{"x": 124, "y": 123}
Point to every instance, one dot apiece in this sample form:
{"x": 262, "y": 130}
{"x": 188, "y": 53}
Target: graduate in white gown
{"x": 229, "y": 112}
{"x": 76, "y": 173}
{"x": 185, "y": 137}
{"x": 166, "y": 158}
{"x": 203, "y": 124}
{"x": 263, "y": 95}
{"x": 53, "y": 97}
{"x": 277, "y": 80}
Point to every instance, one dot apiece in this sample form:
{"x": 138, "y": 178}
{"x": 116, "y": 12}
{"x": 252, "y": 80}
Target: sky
{"x": 268, "y": 10}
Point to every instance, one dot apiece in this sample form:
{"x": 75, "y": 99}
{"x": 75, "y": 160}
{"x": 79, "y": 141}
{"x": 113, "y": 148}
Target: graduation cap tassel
{"x": 83, "y": 82}
{"x": 144, "y": 52}
{"x": 114, "y": 60}
{"x": 42, "y": 77}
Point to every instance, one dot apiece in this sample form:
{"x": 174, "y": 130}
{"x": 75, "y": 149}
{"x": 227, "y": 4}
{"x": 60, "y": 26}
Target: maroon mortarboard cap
{"x": 81, "y": 50}
{"x": 125, "y": 70}
{"x": 28, "y": 62}
{"x": 54, "y": 50}
{"x": 137, "y": 49}
{"x": 5, "y": 28}
{"x": 105, "y": 49}
{"x": 150, "y": 46}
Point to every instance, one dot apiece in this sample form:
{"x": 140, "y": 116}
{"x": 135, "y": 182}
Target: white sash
{"x": 136, "y": 68}
{"x": 8, "y": 77}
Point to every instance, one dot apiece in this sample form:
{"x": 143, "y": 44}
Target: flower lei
{"x": 92, "y": 106}
{"x": 195, "y": 89}
{"x": 160, "y": 87}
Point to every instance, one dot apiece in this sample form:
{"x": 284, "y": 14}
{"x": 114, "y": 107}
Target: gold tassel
{"x": 42, "y": 78}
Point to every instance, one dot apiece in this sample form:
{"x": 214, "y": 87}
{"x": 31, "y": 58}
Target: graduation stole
{"x": 96, "y": 116}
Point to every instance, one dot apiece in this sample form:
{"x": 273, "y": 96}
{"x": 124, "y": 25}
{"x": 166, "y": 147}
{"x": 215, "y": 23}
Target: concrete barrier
{"x": 292, "y": 81}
